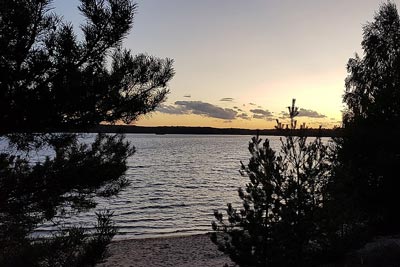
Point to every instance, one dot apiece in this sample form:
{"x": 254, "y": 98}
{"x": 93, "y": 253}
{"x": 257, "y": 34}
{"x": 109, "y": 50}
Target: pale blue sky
{"x": 261, "y": 52}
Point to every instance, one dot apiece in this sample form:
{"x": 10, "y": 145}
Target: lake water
{"x": 176, "y": 183}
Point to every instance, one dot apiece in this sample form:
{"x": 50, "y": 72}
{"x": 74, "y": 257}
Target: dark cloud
{"x": 256, "y": 116}
{"x": 169, "y": 109}
{"x": 227, "y": 99}
{"x": 213, "y": 111}
{"x": 238, "y": 109}
{"x": 258, "y": 111}
{"x": 252, "y": 104}
{"x": 283, "y": 115}
{"x": 262, "y": 114}
{"x": 206, "y": 109}
{"x": 243, "y": 116}
{"x": 187, "y": 96}
{"x": 303, "y": 113}
{"x": 310, "y": 113}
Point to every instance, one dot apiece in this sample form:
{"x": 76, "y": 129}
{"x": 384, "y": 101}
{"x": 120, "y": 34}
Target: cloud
{"x": 214, "y": 111}
{"x": 169, "y": 109}
{"x": 227, "y": 99}
{"x": 258, "y": 111}
{"x": 303, "y": 113}
{"x": 187, "y": 96}
{"x": 206, "y": 109}
{"x": 283, "y": 115}
{"x": 252, "y": 104}
{"x": 310, "y": 113}
{"x": 256, "y": 116}
{"x": 243, "y": 116}
{"x": 262, "y": 114}
{"x": 237, "y": 108}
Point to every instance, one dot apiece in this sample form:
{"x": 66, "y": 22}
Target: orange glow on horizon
{"x": 158, "y": 119}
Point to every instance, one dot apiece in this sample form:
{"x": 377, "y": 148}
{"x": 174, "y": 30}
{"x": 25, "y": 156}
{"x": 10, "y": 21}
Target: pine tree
{"x": 53, "y": 84}
{"x": 280, "y": 222}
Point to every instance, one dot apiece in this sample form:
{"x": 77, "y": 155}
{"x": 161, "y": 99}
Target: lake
{"x": 176, "y": 183}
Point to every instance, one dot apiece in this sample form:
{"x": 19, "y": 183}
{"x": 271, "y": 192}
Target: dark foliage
{"x": 51, "y": 81}
{"x": 69, "y": 247}
{"x": 77, "y": 173}
{"x": 366, "y": 173}
{"x": 281, "y": 221}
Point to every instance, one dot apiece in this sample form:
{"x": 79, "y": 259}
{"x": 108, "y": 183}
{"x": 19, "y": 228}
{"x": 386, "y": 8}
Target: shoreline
{"x": 183, "y": 251}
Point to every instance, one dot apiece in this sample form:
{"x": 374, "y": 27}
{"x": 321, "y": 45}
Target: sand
{"x": 199, "y": 251}
{"x": 182, "y": 251}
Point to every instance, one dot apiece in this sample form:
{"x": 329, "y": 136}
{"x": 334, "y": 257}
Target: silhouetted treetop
{"x": 51, "y": 79}
{"x": 365, "y": 185}
{"x": 373, "y": 84}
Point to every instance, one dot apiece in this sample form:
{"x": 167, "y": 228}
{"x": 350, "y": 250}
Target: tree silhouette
{"x": 280, "y": 222}
{"x": 52, "y": 81}
{"x": 366, "y": 180}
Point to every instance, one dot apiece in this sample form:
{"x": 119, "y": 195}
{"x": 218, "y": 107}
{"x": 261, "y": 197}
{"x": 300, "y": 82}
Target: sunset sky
{"x": 239, "y": 63}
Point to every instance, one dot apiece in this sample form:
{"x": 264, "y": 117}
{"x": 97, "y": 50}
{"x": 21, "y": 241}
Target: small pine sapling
{"x": 280, "y": 223}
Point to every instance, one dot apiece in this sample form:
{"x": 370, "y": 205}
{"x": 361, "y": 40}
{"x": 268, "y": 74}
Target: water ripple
{"x": 176, "y": 183}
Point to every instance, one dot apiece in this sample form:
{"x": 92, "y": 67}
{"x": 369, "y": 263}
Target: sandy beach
{"x": 181, "y": 251}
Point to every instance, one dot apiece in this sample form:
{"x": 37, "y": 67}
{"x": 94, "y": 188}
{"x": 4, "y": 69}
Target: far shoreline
{"x": 163, "y": 130}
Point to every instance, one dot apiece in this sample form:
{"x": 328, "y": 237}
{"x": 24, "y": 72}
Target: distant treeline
{"x": 209, "y": 130}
